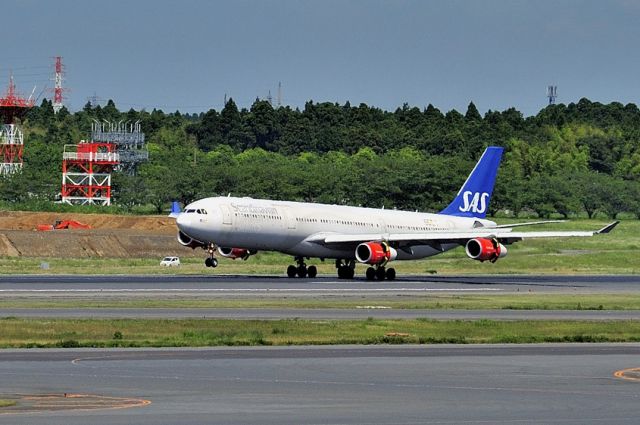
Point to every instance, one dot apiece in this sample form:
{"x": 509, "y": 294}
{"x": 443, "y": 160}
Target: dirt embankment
{"x": 19, "y": 220}
{"x": 113, "y": 236}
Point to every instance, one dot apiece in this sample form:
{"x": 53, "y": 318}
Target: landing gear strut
{"x": 346, "y": 269}
{"x": 211, "y": 261}
{"x": 379, "y": 272}
{"x": 301, "y": 270}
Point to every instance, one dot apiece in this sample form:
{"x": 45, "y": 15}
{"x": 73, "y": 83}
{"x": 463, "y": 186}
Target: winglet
{"x": 175, "y": 209}
{"x": 609, "y": 227}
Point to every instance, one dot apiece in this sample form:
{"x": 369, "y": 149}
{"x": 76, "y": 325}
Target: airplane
{"x": 239, "y": 227}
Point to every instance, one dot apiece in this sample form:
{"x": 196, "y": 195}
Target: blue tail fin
{"x": 474, "y": 195}
{"x": 175, "y": 209}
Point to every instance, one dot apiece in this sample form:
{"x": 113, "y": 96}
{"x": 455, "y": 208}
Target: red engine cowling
{"x": 375, "y": 253}
{"x": 234, "y": 253}
{"x": 190, "y": 242}
{"x": 483, "y": 249}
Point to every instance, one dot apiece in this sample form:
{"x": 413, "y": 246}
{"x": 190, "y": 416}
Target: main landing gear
{"x": 301, "y": 270}
{"x": 379, "y": 272}
{"x": 346, "y": 269}
{"x": 211, "y": 261}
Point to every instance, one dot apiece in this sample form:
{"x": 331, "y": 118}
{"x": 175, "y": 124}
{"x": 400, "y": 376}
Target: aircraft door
{"x": 382, "y": 226}
{"x": 226, "y": 215}
{"x": 291, "y": 222}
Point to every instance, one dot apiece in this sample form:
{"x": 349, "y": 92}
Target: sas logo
{"x": 474, "y": 202}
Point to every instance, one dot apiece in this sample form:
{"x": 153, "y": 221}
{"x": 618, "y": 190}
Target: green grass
{"x": 523, "y": 301}
{"x": 614, "y": 253}
{"x": 21, "y": 333}
{"x": 7, "y": 403}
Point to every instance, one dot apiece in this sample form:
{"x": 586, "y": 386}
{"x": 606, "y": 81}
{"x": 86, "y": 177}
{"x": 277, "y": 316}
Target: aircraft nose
{"x": 182, "y": 221}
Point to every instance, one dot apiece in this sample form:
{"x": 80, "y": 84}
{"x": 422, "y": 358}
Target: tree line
{"x": 577, "y": 159}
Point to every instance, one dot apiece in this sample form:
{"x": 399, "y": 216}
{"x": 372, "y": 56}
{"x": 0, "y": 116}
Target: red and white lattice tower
{"x": 58, "y": 90}
{"x": 12, "y": 106}
{"x": 86, "y": 173}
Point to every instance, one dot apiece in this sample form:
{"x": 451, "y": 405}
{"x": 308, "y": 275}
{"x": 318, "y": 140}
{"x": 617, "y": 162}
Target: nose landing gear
{"x": 211, "y": 261}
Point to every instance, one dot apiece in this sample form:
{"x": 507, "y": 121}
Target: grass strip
{"x": 614, "y": 253}
{"x": 7, "y": 403}
{"x": 28, "y": 333}
{"x": 523, "y": 301}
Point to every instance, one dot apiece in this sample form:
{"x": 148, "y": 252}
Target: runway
{"x": 505, "y": 384}
{"x": 316, "y": 314}
{"x": 327, "y": 288}
{"x": 221, "y": 285}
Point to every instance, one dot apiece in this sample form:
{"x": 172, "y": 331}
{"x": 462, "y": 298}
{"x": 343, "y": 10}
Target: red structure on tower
{"x": 86, "y": 173}
{"x": 12, "y": 107}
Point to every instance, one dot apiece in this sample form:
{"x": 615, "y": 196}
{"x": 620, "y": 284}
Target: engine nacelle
{"x": 483, "y": 249}
{"x": 375, "y": 253}
{"x": 190, "y": 242}
{"x": 234, "y": 253}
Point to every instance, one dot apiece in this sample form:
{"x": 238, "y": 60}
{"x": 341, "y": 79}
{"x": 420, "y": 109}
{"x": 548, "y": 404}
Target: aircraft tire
{"x": 207, "y": 262}
{"x": 214, "y": 262}
{"x": 380, "y": 273}
{"x": 349, "y": 273}
{"x": 292, "y": 271}
{"x": 302, "y": 271}
{"x": 312, "y": 271}
{"x": 390, "y": 274}
{"x": 371, "y": 273}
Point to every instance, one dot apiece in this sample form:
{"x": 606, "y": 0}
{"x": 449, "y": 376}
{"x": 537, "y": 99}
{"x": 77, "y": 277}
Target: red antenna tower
{"x": 58, "y": 90}
{"x": 86, "y": 173}
{"x": 12, "y": 106}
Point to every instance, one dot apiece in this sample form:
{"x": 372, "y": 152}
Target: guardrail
{"x": 92, "y": 156}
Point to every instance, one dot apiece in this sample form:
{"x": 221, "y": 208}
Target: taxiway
{"x": 506, "y": 384}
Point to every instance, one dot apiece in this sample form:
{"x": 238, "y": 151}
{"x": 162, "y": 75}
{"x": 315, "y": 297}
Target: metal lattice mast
{"x": 279, "y": 94}
{"x": 552, "y": 93}
{"x": 12, "y": 107}
{"x": 86, "y": 173}
{"x": 58, "y": 90}
{"x": 128, "y": 140}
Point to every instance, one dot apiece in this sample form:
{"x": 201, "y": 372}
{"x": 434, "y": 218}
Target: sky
{"x": 187, "y": 55}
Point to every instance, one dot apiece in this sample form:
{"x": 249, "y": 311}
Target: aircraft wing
{"x": 502, "y": 234}
{"x": 529, "y": 223}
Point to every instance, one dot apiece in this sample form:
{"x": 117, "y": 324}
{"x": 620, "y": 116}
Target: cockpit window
{"x": 190, "y": 211}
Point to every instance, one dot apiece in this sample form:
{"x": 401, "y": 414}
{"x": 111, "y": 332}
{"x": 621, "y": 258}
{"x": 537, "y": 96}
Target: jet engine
{"x": 190, "y": 242}
{"x": 375, "y": 253}
{"x": 483, "y": 249}
{"x": 234, "y": 253}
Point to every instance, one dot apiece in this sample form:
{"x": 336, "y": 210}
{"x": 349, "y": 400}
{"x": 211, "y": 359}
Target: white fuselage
{"x": 296, "y": 228}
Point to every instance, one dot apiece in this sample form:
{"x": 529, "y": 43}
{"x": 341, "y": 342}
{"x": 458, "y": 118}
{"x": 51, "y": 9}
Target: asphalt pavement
{"x": 496, "y": 384}
{"x": 233, "y": 284}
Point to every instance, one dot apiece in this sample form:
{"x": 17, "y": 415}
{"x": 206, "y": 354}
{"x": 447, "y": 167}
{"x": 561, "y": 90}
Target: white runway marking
{"x": 213, "y": 290}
